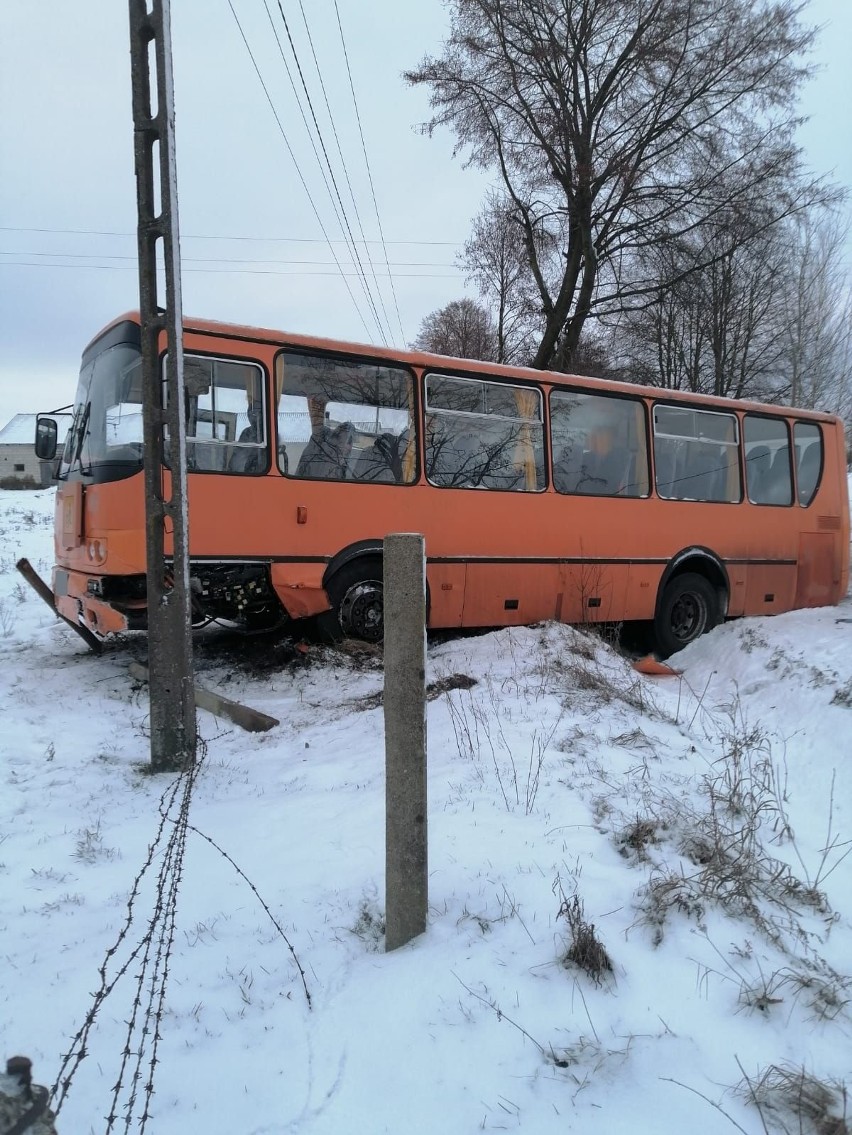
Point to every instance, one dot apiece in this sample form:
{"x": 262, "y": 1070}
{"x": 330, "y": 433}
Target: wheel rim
{"x": 362, "y": 611}
{"x": 688, "y": 617}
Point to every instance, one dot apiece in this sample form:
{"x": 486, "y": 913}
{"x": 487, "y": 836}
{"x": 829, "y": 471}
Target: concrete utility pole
{"x": 173, "y": 726}
{"x": 406, "y": 842}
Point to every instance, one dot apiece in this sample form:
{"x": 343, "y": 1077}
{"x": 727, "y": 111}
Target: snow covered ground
{"x": 698, "y": 824}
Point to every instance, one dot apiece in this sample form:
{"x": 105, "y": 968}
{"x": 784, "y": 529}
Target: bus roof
{"x": 425, "y": 359}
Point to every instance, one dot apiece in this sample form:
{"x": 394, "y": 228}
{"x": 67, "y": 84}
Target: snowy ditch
{"x": 639, "y": 888}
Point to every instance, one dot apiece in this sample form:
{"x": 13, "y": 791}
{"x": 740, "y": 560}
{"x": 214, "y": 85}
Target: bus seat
{"x": 626, "y": 484}
{"x": 245, "y": 456}
{"x": 717, "y": 475}
{"x": 608, "y": 473}
{"x": 758, "y": 464}
{"x": 208, "y": 456}
{"x": 568, "y": 469}
{"x": 453, "y": 460}
{"x": 779, "y": 488}
{"x": 665, "y": 471}
{"x": 505, "y": 475}
{"x": 326, "y": 455}
{"x": 382, "y": 461}
{"x": 808, "y": 474}
{"x": 700, "y": 478}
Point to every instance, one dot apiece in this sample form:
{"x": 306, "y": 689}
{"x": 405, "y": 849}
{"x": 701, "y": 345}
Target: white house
{"x": 19, "y": 466}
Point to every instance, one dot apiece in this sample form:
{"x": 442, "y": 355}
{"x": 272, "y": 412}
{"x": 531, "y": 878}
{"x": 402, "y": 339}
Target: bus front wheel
{"x": 688, "y": 609}
{"x": 357, "y": 597}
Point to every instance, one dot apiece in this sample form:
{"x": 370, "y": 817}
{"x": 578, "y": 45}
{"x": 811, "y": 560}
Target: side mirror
{"x": 47, "y": 432}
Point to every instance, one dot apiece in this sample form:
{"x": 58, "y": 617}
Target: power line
{"x": 343, "y": 164}
{"x": 216, "y": 259}
{"x": 234, "y": 272}
{"x": 211, "y": 236}
{"x": 341, "y": 212}
{"x": 296, "y": 164}
{"x": 369, "y": 170}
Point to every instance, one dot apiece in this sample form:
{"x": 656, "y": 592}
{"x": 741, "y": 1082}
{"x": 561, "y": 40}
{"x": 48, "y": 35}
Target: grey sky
{"x": 66, "y": 160}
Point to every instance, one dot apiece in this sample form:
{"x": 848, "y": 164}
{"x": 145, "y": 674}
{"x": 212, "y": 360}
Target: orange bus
{"x": 541, "y": 496}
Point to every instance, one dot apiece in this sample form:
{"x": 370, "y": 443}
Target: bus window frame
{"x": 594, "y": 393}
{"x": 787, "y": 422}
{"x": 715, "y": 412}
{"x": 234, "y": 446}
{"x": 416, "y": 415}
{"x": 509, "y": 383}
{"x": 793, "y": 422}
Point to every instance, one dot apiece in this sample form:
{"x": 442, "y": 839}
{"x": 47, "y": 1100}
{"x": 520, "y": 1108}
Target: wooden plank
{"x": 40, "y": 587}
{"x": 252, "y": 720}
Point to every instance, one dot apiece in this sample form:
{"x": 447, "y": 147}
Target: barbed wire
{"x": 133, "y": 1089}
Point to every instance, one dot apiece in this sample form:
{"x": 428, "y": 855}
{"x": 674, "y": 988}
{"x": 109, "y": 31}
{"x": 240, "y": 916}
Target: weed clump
{"x": 585, "y": 949}
{"x": 791, "y": 1101}
{"x": 369, "y": 926}
{"x": 637, "y": 837}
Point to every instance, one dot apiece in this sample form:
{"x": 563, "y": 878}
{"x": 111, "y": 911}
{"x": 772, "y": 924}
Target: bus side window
{"x": 344, "y": 419}
{"x": 225, "y": 415}
{"x": 483, "y": 435}
{"x": 767, "y": 453}
{"x": 598, "y": 444}
{"x": 696, "y": 454}
{"x": 808, "y": 441}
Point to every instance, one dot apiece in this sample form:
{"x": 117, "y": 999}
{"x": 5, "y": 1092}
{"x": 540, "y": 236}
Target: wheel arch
{"x": 702, "y": 561}
{"x": 362, "y": 549}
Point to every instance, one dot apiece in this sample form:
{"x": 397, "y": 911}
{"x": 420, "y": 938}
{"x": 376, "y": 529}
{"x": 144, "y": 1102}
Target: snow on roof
{"x": 19, "y": 431}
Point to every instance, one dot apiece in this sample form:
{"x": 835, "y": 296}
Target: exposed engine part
{"x": 236, "y": 592}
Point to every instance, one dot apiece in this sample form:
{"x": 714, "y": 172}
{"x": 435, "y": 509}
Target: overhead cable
{"x": 296, "y": 165}
{"x": 345, "y": 169}
{"x": 369, "y": 171}
{"x": 338, "y": 206}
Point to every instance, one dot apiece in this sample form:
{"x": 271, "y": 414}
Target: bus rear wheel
{"x": 688, "y": 609}
{"x": 358, "y": 600}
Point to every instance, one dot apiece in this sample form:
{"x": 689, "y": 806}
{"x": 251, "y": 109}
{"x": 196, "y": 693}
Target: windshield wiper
{"x": 80, "y": 438}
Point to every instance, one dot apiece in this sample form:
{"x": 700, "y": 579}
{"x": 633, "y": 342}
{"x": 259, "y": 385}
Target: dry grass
{"x": 792, "y": 1101}
{"x": 585, "y": 949}
{"x": 725, "y": 838}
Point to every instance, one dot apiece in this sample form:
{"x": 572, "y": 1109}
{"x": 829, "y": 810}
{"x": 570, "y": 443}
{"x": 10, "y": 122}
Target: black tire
{"x": 688, "y": 609}
{"x": 357, "y": 599}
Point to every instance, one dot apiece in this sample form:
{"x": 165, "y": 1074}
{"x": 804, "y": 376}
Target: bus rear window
{"x": 696, "y": 454}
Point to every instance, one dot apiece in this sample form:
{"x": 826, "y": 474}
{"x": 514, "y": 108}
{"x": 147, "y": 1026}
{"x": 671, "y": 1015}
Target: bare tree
{"x": 712, "y": 325}
{"x": 615, "y": 124}
{"x": 816, "y": 316}
{"x": 462, "y": 329}
{"x": 768, "y": 317}
{"x": 495, "y": 260}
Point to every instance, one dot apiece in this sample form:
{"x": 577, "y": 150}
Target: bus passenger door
{"x": 446, "y": 593}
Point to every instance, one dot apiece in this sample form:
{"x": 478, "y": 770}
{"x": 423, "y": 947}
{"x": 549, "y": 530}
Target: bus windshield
{"x": 105, "y": 439}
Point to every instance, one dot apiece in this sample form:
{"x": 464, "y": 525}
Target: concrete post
{"x": 406, "y": 859}
{"x": 173, "y": 724}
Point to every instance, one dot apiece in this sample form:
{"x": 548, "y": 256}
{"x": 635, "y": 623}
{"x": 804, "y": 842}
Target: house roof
{"x": 19, "y": 431}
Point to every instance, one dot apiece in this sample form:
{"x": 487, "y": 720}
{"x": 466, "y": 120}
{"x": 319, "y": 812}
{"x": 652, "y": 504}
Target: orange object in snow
{"x": 652, "y": 667}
